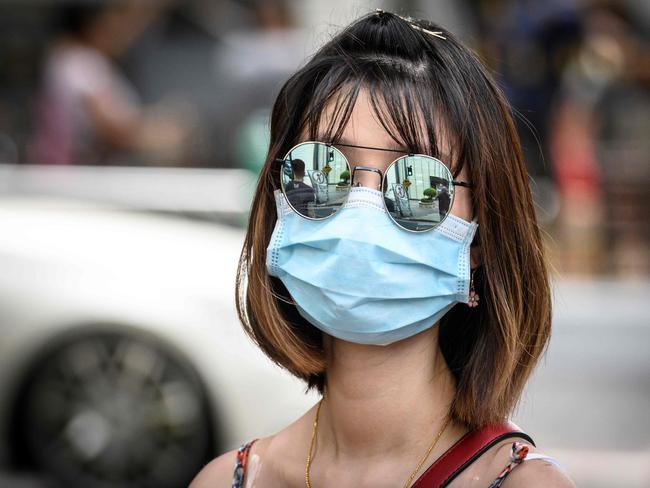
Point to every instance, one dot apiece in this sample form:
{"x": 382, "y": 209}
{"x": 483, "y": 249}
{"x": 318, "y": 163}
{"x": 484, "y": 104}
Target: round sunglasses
{"x": 418, "y": 190}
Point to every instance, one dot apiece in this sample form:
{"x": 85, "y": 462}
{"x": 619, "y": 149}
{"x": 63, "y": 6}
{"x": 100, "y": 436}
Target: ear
{"x": 475, "y": 255}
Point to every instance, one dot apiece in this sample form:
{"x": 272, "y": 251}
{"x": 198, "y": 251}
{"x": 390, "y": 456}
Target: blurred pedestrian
{"x": 87, "y": 111}
{"x": 600, "y": 147}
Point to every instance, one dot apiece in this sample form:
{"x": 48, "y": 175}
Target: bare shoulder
{"x": 217, "y": 473}
{"x": 221, "y": 470}
{"x": 537, "y": 473}
{"x": 277, "y": 451}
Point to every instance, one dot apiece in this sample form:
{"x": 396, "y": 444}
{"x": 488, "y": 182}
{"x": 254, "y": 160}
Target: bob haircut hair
{"x": 422, "y": 81}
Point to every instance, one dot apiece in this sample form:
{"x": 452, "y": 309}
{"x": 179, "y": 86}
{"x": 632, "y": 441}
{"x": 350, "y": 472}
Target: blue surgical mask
{"x": 359, "y": 277}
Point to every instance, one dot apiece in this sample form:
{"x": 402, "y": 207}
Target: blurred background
{"x": 131, "y": 135}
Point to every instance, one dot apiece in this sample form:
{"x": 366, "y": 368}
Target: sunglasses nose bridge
{"x": 367, "y": 174}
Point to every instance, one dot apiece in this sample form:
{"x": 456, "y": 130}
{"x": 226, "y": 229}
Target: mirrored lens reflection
{"x": 418, "y": 192}
{"x": 315, "y": 179}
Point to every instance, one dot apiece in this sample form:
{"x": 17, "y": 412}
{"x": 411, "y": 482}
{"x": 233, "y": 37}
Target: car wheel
{"x": 111, "y": 409}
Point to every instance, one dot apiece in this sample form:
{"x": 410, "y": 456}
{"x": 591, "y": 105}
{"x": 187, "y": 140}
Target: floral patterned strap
{"x": 240, "y": 464}
{"x": 517, "y": 455}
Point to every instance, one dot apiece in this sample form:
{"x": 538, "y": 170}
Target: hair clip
{"x": 379, "y": 11}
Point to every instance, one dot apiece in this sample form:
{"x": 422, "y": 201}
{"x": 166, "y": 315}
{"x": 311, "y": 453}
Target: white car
{"x": 122, "y": 360}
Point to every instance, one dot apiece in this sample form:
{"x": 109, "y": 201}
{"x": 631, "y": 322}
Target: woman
{"x": 379, "y": 310}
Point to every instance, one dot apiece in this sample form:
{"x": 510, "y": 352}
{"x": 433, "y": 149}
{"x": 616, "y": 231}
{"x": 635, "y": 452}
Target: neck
{"x": 385, "y": 400}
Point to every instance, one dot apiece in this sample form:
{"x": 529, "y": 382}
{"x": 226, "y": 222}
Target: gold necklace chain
{"x": 408, "y": 482}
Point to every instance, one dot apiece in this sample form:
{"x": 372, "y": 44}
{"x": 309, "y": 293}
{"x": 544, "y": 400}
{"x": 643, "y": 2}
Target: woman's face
{"x": 363, "y": 129}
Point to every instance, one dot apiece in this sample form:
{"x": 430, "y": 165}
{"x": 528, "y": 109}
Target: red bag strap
{"x": 465, "y": 451}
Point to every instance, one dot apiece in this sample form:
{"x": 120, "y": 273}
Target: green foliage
{"x": 430, "y": 193}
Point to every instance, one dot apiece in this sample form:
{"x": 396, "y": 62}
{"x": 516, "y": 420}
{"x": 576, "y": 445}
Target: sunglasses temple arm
{"x": 462, "y": 183}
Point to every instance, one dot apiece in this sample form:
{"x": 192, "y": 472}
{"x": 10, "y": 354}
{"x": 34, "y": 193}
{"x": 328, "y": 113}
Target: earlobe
{"x": 475, "y": 256}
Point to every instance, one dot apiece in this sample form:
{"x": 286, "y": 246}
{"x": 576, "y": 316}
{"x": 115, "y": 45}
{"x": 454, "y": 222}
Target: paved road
{"x": 588, "y": 403}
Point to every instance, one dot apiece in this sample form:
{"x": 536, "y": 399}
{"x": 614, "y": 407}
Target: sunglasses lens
{"x": 315, "y": 179}
{"x": 418, "y": 192}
